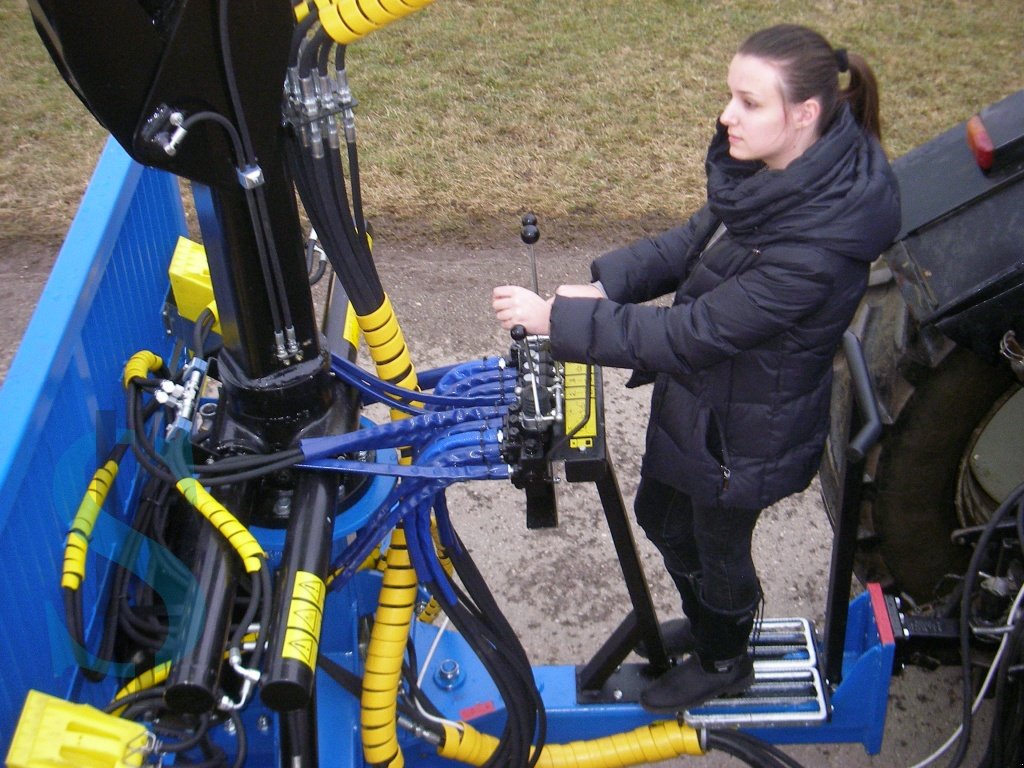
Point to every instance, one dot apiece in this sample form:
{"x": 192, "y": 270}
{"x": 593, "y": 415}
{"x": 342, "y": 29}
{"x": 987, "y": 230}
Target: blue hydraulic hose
{"x": 495, "y": 391}
{"x": 385, "y": 392}
{"x": 470, "y": 368}
{"x": 468, "y": 384}
{"x": 412, "y": 472}
{"x": 369, "y": 396}
{"x": 451, "y": 443}
{"x": 396, "y": 506}
{"x": 422, "y": 551}
{"x": 403, "y": 432}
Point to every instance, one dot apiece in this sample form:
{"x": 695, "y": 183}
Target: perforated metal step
{"x": 787, "y": 687}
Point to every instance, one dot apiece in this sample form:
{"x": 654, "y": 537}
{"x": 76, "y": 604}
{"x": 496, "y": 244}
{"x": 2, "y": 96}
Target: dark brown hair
{"x": 809, "y": 68}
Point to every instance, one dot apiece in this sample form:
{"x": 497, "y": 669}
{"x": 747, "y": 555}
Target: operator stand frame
{"x": 603, "y": 678}
{"x": 594, "y": 680}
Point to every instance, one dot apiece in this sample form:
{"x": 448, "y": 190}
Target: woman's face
{"x": 761, "y": 125}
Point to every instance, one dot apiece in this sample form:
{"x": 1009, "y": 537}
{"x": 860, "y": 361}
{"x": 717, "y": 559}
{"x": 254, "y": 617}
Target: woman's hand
{"x": 514, "y": 305}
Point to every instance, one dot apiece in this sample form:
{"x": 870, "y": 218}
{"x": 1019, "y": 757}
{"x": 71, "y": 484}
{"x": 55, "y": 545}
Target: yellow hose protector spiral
{"x": 349, "y": 20}
{"x": 81, "y": 528}
{"x": 149, "y": 679}
{"x": 237, "y": 535}
{"x": 652, "y": 743}
{"x": 383, "y": 670}
{"x": 388, "y": 350}
{"x": 141, "y": 364}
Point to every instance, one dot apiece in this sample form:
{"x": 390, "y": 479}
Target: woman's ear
{"x": 806, "y": 113}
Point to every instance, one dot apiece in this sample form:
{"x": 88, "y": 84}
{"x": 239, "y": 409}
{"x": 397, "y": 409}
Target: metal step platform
{"x": 787, "y": 687}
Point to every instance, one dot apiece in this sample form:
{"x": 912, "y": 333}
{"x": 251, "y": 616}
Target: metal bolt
{"x": 263, "y": 724}
{"x": 449, "y": 675}
{"x": 229, "y": 727}
{"x": 448, "y": 669}
{"x": 617, "y": 695}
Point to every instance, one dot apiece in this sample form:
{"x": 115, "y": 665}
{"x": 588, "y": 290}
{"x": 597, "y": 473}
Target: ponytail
{"x": 861, "y": 93}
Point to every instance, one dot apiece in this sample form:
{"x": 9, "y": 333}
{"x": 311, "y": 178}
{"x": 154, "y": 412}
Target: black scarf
{"x": 809, "y": 199}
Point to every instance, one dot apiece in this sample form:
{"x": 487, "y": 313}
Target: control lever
{"x": 530, "y": 234}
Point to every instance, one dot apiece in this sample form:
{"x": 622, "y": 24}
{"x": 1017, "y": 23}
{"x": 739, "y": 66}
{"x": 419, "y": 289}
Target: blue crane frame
{"x": 62, "y": 402}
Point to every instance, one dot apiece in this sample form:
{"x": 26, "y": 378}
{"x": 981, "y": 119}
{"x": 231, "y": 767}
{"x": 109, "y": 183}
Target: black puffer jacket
{"x": 742, "y": 359}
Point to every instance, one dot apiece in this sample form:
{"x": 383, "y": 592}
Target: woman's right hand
{"x": 514, "y": 305}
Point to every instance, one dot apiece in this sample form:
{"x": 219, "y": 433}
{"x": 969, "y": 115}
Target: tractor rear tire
{"x": 932, "y": 394}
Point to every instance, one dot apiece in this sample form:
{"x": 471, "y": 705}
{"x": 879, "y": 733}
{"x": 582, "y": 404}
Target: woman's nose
{"x": 727, "y": 116}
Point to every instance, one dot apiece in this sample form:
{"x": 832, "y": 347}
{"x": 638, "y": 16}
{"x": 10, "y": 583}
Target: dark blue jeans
{"x": 709, "y": 544}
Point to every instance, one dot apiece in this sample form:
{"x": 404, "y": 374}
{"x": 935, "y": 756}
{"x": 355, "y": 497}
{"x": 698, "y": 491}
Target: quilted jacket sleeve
{"x": 781, "y": 286}
{"x": 654, "y": 266}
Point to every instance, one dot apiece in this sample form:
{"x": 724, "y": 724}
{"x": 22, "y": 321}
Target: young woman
{"x": 766, "y": 277}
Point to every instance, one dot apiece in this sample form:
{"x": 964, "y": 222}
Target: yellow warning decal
{"x": 577, "y": 398}
{"x": 305, "y": 617}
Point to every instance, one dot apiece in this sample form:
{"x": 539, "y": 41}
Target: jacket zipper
{"x": 723, "y": 464}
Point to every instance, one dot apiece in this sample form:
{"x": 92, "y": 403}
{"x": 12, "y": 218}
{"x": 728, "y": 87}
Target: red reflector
{"x": 980, "y": 143}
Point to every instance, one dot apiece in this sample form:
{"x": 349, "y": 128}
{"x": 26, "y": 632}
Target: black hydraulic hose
{"x": 331, "y": 238}
{"x": 340, "y": 246}
{"x": 1015, "y": 499}
{"x": 357, "y": 193}
{"x": 354, "y": 177}
{"x": 242, "y": 751}
{"x": 505, "y": 660}
{"x": 202, "y": 326}
{"x": 265, "y": 243}
{"x": 258, "y": 217}
{"x": 188, "y": 742}
{"x": 143, "y": 448}
{"x": 231, "y": 83}
{"x": 764, "y": 747}
{"x": 132, "y": 699}
{"x": 366, "y": 293}
{"x": 1004, "y": 746}
{"x": 355, "y": 225}
{"x": 266, "y": 603}
{"x": 247, "y": 462}
{"x": 238, "y": 149}
{"x": 998, "y": 753}
{"x": 262, "y": 470}
{"x": 251, "y": 609}
{"x": 514, "y": 744}
{"x": 153, "y": 496}
{"x": 301, "y": 32}
{"x": 722, "y": 742}
{"x": 309, "y": 53}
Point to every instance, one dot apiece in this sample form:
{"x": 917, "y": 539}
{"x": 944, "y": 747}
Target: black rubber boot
{"x": 677, "y": 634}
{"x": 720, "y": 665}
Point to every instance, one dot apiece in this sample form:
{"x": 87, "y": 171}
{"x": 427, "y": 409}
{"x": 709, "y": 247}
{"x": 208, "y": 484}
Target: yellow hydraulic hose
{"x": 383, "y": 671}
{"x": 141, "y": 364}
{"x": 433, "y": 608}
{"x": 652, "y": 743}
{"x": 237, "y": 535}
{"x": 388, "y": 350}
{"x": 81, "y": 528}
{"x": 151, "y": 678}
{"x": 349, "y": 20}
